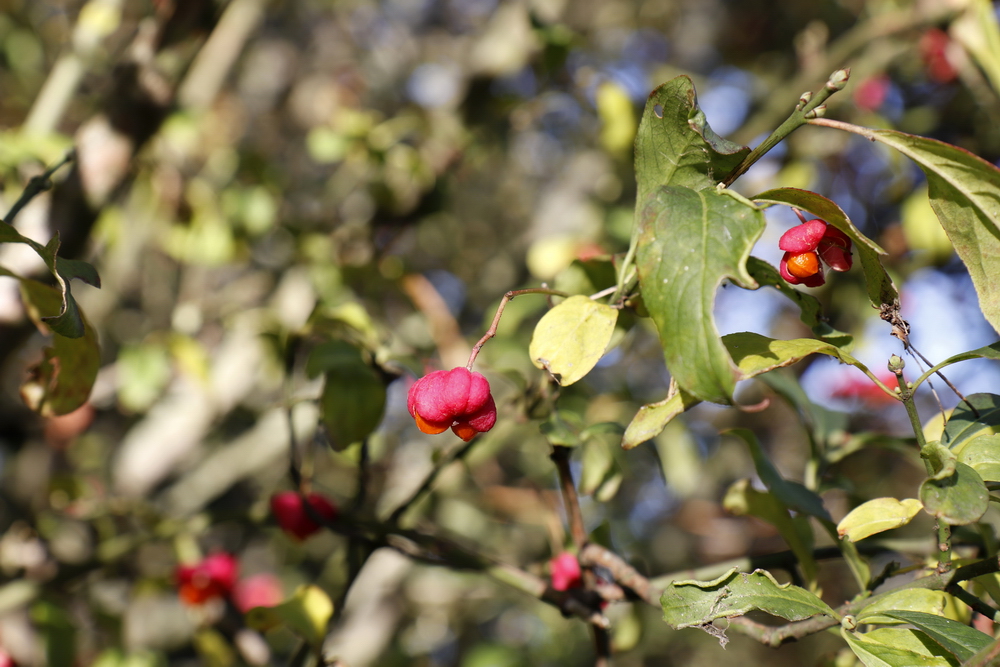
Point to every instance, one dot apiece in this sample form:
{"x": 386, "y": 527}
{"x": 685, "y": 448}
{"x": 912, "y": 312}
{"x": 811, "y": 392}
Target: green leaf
{"x": 880, "y": 287}
{"x": 876, "y": 516}
{"x": 958, "y": 499}
{"x": 792, "y": 494}
{"x": 689, "y": 242}
{"x": 964, "y": 192}
{"x": 353, "y": 398}
{"x": 923, "y": 600}
{"x": 66, "y": 319}
{"x": 942, "y": 460}
{"x": 964, "y": 424}
{"x": 988, "y": 352}
{"x": 652, "y": 418}
{"x": 692, "y": 603}
{"x": 571, "y": 338}
{"x": 675, "y": 145}
{"x": 896, "y": 647}
{"x": 982, "y": 454}
{"x": 987, "y": 657}
{"x": 754, "y": 355}
{"x": 62, "y": 382}
{"x": 742, "y": 499}
{"x": 810, "y": 310}
{"x": 957, "y": 638}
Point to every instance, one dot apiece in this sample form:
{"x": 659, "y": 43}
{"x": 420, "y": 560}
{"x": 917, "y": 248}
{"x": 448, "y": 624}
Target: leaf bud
{"x": 896, "y": 363}
{"x": 849, "y": 622}
{"x": 818, "y": 112}
{"x": 838, "y": 79}
{"x": 803, "y": 100}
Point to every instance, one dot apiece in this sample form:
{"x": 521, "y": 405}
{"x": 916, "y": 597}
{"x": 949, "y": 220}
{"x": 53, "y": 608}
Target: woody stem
{"x": 492, "y": 331}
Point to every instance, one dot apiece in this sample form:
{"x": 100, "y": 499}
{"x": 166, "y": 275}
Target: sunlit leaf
{"x": 876, "y": 516}
{"x": 957, "y": 638}
{"x": 964, "y": 191}
{"x": 982, "y": 454}
{"x": 693, "y": 603}
{"x": 754, "y": 355}
{"x": 675, "y": 145}
{"x": 689, "y": 243}
{"x": 988, "y": 352}
{"x": 306, "y": 613}
{"x": 908, "y": 599}
{"x": 978, "y": 414}
{"x": 896, "y": 647}
{"x": 571, "y": 338}
{"x": 652, "y": 418}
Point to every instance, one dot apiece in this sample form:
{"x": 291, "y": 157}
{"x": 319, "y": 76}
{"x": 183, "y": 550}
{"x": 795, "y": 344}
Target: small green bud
{"x": 896, "y": 363}
{"x": 803, "y": 100}
{"x": 849, "y": 622}
{"x": 818, "y": 112}
{"x": 838, "y": 79}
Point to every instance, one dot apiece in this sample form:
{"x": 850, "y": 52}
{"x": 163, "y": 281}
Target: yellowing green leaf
{"x": 572, "y": 337}
{"x": 876, "y": 516}
{"x": 306, "y": 614}
{"x": 896, "y": 647}
{"x": 907, "y": 599}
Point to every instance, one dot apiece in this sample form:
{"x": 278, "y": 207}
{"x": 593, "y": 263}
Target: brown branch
{"x": 594, "y": 555}
{"x": 560, "y": 457}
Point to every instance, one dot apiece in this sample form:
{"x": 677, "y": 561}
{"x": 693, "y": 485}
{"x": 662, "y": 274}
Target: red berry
{"x": 808, "y": 243}
{"x": 213, "y": 577}
{"x": 292, "y": 516}
{"x": 458, "y": 399}
{"x": 565, "y": 571}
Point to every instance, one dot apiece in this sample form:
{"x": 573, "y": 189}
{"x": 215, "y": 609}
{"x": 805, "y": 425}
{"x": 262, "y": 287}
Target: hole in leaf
{"x": 658, "y": 110}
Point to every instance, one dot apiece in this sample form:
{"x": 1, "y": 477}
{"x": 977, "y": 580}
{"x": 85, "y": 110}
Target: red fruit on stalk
{"x": 213, "y": 577}
{"x": 293, "y": 517}
{"x": 457, "y": 399}
{"x": 806, "y": 245}
{"x": 565, "y": 572}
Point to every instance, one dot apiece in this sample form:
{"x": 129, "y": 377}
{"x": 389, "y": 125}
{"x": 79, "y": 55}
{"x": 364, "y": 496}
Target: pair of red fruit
{"x": 217, "y": 575}
{"x": 460, "y": 399}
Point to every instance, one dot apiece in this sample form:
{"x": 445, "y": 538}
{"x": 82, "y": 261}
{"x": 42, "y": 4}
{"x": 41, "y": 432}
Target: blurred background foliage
{"x": 258, "y": 177}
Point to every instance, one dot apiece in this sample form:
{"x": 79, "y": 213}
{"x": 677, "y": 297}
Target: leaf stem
{"x": 810, "y": 107}
{"x": 492, "y": 331}
{"x": 943, "y": 546}
{"x": 36, "y": 186}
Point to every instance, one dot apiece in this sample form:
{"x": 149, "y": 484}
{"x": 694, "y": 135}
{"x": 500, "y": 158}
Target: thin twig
{"x": 37, "y": 185}
{"x": 492, "y": 331}
{"x": 571, "y": 501}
